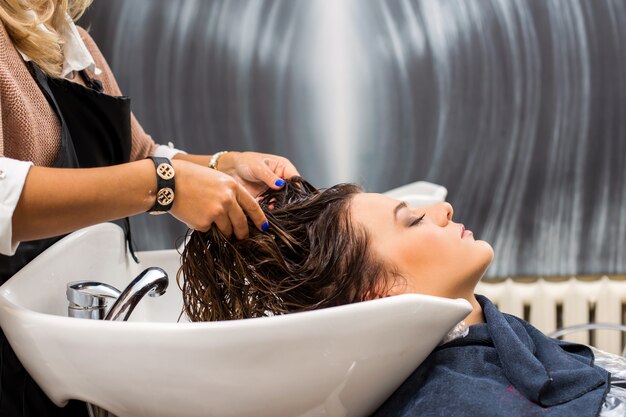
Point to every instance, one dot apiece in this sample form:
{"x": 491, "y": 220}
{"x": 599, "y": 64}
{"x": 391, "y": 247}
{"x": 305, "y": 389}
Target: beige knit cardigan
{"x": 29, "y": 128}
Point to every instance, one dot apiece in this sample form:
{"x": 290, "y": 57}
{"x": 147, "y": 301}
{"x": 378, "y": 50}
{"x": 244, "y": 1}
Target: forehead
{"x": 370, "y": 207}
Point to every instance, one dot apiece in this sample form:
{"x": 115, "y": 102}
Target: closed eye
{"x": 417, "y": 220}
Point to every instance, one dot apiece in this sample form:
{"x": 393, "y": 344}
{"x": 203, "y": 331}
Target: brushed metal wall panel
{"x": 518, "y": 107}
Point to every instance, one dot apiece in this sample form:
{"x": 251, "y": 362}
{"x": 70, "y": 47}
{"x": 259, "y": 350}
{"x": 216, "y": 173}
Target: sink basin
{"x": 341, "y": 361}
{"x": 419, "y": 193}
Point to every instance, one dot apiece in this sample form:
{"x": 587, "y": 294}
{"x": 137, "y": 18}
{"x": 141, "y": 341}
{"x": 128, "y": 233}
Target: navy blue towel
{"x": 504, "y": 367}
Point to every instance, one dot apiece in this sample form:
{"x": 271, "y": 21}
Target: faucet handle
{"x": 89, "y": 299}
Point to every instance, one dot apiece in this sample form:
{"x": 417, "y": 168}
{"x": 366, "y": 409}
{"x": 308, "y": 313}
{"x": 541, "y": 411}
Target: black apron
{"x": 95, "y": 132}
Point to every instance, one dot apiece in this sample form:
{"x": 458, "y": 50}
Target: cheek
{"x": 435, "y": 253}
{"x": 421, "y": 250}
{"x": 434, "y": 263}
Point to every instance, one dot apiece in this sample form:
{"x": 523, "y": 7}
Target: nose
{"x": 444, "y": 213}
{"x": 449, "y": 210}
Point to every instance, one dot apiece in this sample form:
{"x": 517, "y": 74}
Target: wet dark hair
{"x": 313, "y": 256}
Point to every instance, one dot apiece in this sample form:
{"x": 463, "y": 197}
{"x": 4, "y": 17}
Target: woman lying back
{"x": 340, "y": 246}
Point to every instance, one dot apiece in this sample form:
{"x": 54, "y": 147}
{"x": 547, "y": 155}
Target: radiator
{"x": 553, "y": 303}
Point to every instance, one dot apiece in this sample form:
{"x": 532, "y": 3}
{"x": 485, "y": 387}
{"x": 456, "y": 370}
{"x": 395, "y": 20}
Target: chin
{"x": 483, "y": 257}
{"x": 487, "y": 251}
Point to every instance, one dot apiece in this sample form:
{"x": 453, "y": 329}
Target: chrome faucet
{"x": 90, "y": 300}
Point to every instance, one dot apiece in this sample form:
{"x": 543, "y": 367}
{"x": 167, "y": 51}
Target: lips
{"x": 465, "y": 233}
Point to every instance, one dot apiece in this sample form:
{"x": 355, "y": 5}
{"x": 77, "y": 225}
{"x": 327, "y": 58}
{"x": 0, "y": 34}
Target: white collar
{"x": 76, "y": 55}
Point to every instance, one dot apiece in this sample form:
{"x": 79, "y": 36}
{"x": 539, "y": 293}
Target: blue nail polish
{"x": 265, "y": 226}
{"x": 279, "y": 183}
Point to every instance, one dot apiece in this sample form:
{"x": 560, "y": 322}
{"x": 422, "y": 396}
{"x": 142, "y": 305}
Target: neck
{"x": 476, "y": 316}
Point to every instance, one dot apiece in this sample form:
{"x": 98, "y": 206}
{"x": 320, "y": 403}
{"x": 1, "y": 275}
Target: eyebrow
{"x": 397, "y": 209}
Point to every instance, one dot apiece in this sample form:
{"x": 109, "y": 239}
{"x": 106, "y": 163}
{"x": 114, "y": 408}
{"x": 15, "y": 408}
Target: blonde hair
{"x": 42, "y": 47}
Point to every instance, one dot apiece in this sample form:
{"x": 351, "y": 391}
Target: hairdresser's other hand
{"x": 205, "y": 196}
{"x": 257, "y": 171}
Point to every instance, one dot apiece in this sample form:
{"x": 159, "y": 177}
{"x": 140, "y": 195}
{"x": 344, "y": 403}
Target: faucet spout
{"x": 152, "y": 281}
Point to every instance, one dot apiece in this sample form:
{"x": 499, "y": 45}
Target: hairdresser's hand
{"x": 205, "y": 196}
{"x": 257, "y": 171}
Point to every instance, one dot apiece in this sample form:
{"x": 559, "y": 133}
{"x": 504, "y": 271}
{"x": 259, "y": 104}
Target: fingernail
{"x": 279, "y": 183}
{"x": 265, "y": 226}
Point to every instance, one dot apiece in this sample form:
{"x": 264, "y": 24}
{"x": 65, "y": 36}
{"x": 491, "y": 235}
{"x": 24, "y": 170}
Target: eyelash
{"x": 417, "y": 220}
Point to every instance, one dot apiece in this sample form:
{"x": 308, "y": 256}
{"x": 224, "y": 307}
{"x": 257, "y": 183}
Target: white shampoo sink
{"x": 341, "y": 361}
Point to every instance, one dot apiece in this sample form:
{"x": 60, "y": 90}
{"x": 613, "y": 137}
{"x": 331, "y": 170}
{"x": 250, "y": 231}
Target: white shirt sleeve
{"x": 12, "y": 178}
{"x": 167, "y": 151}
